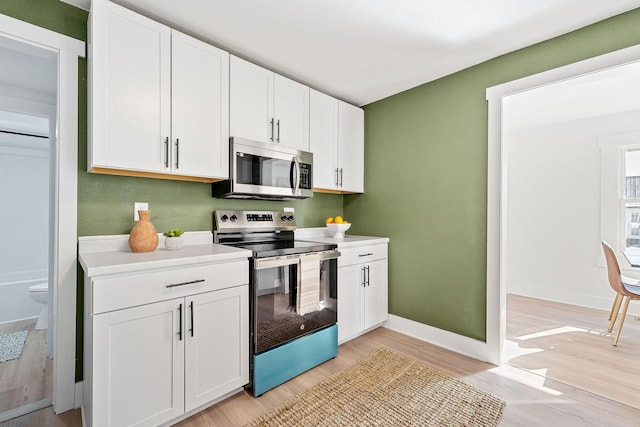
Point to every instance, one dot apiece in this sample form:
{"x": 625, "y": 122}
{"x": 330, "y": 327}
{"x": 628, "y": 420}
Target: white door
{"x": 351, "y": 147}
{"x": 251, "y": 101}
{"x": 138, "y": 368}
{"x": 217, "y": 354}
{"x": 323, "y": 139}
{"x": 200, "y": 108}
{"x": 130, "y": 57}
{"x": 291, "y": 111}
{"x": 350, "y": 294}
{"x": 376, "y": 308}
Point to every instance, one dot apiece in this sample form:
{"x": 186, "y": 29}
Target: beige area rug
{"x": 387, "y": 389}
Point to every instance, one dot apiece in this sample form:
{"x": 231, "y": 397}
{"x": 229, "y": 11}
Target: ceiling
{"x": 365, "y": 50}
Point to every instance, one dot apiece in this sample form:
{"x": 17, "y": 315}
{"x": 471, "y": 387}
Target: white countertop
{"x": 100, "y": 255}
{"x": 319, "y": 234}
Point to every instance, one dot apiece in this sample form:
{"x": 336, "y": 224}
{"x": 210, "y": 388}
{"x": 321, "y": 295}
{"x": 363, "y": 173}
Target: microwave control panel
{"x": 305, "y": 176}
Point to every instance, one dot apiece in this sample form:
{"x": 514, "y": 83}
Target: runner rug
{"x": 387, "y": 389}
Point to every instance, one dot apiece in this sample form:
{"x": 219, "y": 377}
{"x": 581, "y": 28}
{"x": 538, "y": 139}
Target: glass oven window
{"x": 263, "y": 171}
{"x": 276, "y": 316}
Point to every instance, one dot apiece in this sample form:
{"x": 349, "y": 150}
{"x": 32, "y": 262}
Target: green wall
{"x": 105, "y": 203}
{"x": 425, "y": 174}
{"x": 426, "y": 178}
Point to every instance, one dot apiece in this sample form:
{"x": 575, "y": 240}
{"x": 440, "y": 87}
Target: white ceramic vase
{"x": 173, "y": 243}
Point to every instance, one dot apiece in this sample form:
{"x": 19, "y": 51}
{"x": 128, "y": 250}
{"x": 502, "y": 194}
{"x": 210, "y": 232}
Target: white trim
{"x": 445, "y": 339}
{"x": 79, "y": 394}
{"x": 65, "y": 215}
{"x": 496, "y": 180}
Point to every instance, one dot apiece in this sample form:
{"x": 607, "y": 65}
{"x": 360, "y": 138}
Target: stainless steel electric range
{"x": 293, "y": 295}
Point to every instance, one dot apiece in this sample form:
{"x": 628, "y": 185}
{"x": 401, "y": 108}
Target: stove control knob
{"x": 224, "y": 218}
{"x": 290, "y": 218}
{"x": 233, "y": 218}
{"x": 283, "y": 218}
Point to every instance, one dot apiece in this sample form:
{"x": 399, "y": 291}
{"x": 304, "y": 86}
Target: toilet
{"x": 40, "y": 293}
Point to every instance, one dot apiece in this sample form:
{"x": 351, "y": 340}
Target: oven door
{"x": 292, "y": 296}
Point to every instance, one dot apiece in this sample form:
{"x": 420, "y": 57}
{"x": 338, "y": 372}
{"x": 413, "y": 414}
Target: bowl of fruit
{"x": 336, "y": 227}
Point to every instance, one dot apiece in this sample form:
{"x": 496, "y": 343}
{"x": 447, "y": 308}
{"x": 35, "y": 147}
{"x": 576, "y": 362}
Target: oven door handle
{"x": 324, "y": 255}
{"x": 281, "y": 261}
{"x": 296, "y": 175}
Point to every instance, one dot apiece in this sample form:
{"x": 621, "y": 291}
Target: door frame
{"x": 64, "y": 212}
{"x": 497, "y": 182}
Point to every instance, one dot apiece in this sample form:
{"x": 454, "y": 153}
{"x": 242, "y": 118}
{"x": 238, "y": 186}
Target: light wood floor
{"x": 28, "y": 378}
{"x": 571, "y": 344}
{"x": 532, "y": 399}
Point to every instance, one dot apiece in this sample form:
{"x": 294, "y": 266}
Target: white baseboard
{"x": 445, "y": 339}
{"x": 564, "y": 297}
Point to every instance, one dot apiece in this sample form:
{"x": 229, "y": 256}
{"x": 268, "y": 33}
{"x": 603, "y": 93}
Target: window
{"x": 631, "y": 200}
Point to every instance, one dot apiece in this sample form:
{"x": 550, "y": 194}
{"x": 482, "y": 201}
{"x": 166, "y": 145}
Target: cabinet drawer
{"x": 350, "y": 256}
{"x": 127, "y": 290}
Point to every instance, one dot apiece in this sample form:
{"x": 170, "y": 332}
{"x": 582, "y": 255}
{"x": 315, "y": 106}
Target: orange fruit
{"x": 329, "y": 220}
{"x": 338, "y": 220}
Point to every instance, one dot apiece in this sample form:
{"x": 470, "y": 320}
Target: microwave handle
{"x": 296, "y": 175}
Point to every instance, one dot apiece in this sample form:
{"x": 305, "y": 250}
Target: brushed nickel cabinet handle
{"x": 166, "y": 152}
{"x": 177, "y": 153}
{"x": 173, "y": 285}
{"x": 278, "y": 138}
{"x": 272, "y": 133}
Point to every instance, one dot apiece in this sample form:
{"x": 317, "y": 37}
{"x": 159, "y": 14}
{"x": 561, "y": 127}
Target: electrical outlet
{"x": 139, "y": 206}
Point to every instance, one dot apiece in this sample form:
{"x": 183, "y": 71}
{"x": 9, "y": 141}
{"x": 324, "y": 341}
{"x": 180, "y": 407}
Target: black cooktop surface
{"x": 283, "y": 247}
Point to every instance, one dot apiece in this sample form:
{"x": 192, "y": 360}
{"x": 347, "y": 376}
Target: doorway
{"x": 497, "y": 224}
{"x": 62, "y": 212}
{"x": 28, "y": 115}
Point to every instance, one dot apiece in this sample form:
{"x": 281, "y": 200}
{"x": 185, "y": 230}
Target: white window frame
{"x": 622, "y": 177}
{"x": 613, "y": 190}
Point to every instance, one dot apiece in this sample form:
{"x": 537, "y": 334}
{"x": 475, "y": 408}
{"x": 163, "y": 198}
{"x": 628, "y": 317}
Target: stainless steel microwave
{"x": 259, "y": 170}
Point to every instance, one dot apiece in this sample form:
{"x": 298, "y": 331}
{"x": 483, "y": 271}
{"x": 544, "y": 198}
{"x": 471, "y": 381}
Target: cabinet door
{"x": 376, "y": 308}
{"x": 251, "y": 101}
{"x": 323, "y": 139}
{"x": 130, "y": 69}
{"x": 138, "y": 365}
{"x": 291, "y": 111}
{"x": 200, "y": 108}
{"x": 350, "y": 294}
{"x": 351, "y": 147}
{"x": 217, "y": 354}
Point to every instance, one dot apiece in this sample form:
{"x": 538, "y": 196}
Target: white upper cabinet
{"x": 323, "y": 139}
{"x": 291, "y": 111}
{"x": 251, "y": 101}
{"x": 351, "y": 147}
{"x": 336, "y": 139}
{"x": 158, "y": 98}
{"x": 129, "y": 89}
{"x": 199, "y": 108}
{"x": 267, "y": 107}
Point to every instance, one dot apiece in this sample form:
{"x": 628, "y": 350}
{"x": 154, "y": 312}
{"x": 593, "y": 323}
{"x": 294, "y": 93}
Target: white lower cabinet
{"x": 138, "y": 365}
{"x": 362, "y": 290}
{"x": 149, "y": 364}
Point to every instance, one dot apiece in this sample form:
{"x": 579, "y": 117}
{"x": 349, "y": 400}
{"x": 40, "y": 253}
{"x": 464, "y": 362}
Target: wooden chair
{"x": 626, "y": 289}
